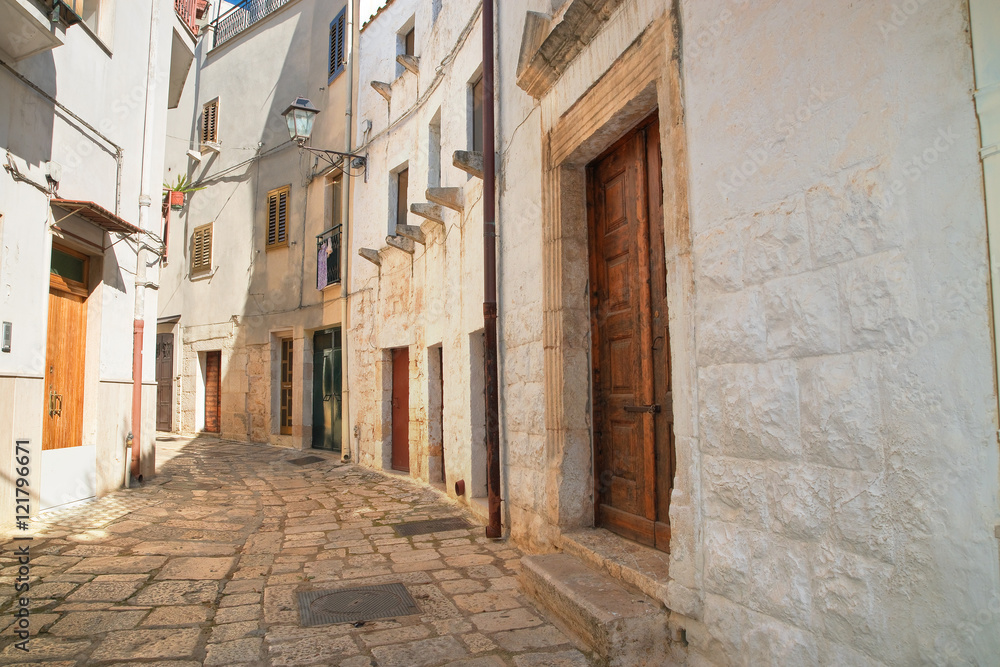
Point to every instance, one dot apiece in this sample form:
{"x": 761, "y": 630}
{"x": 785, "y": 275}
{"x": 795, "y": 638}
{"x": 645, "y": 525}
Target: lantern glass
{"x": 299, "y": 117}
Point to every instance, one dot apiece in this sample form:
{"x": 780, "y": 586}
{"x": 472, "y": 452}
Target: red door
{"x": 401, "y": 409}
{"x": 213, "y": 390}
{"x": 632, "y": 401}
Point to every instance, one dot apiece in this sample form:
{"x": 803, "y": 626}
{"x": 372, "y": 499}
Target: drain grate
{"x": 431, "y": 526}
{"x": 349, "y": 605}
{"x": 306, "y": 460}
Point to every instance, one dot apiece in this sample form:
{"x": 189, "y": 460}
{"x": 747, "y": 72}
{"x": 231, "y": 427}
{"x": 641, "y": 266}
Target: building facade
{"x": 252, "y": 315}
{"x": 85, "y": 88}
{"x": 746, "y": 363}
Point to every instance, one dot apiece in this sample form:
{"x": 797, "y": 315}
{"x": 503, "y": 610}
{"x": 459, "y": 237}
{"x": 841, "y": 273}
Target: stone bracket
{"x": 400, "y": 243}
{"x": 410, "y": 63}
{"x": 449, "y": 197}
{"x": 383, "y": 89}
{"x": 539, "y": 67}
{"x": 411, "y": 232}
{"x": 470, "y": 162}
{"x": 430, "y": 212}
{"x": 371, "y": 255}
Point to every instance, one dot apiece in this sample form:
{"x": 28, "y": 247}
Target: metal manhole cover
{"x": 431, "y": 526}
{"x": 306, "y": 460}
{"x": 349, "y": 605}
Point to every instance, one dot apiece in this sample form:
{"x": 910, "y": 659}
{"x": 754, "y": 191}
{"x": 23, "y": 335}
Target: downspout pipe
{"x": 145, "y": 201}
{"x": 494, "y": 529}
{"x": 345, "y": 245}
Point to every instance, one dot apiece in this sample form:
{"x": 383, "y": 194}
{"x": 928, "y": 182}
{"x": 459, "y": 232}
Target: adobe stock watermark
{"x": 900, "y": 15}
{"x": 784, "y": 129}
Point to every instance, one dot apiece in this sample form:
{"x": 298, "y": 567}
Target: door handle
{"x": 54, "y": 401}
{"x": 651, "y": 409}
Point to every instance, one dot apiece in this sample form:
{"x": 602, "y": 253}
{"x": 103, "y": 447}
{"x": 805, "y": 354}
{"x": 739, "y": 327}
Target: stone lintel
{"x": 546, "y": 63}
{"x": 470, "y": 162}
{"x": 411, "y": 232}
{"x": 431, "y": 212}
{"x": 449, "y": 197}
{"x": 383, "y": 89}
{"x": 536, "y": 29}
{"x": 400, "y": 243}
{"x": 371, "y": 255}
{"x": 411, "y": 63}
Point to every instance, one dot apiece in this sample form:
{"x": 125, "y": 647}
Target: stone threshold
{"x": 633, "y": 564}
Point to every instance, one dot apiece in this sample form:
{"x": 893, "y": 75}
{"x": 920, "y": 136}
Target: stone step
{"x": 621, "y": 626}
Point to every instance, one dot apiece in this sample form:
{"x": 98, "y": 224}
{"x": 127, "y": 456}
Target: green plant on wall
{"x": 175, "y": 193}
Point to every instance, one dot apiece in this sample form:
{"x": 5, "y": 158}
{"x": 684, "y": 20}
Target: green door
{"x": 326, "y": 390}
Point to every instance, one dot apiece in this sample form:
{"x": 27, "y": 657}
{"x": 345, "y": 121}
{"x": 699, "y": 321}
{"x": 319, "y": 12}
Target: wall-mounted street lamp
{"x": 299, "y": 116}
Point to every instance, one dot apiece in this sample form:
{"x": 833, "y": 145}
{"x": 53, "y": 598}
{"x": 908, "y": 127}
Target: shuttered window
{"x": 201, "y": 252}
{"x": 337, "y": 45}
{"x": 277, "y": 217}
{"x": 210, "y": 122}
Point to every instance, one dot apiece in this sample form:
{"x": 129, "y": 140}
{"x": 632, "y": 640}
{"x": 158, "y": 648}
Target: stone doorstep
{"x": 633, "y": 564}
{"x": 623, "y": 628}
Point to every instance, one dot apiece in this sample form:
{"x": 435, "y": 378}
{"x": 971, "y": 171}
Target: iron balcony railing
{"x": 328, "y": 257}
{"x": 242, "y": 16}
{"x": 187, "y": 10}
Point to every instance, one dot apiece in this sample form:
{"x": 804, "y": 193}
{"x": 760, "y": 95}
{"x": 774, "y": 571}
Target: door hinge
{"x": 651, "y": 409}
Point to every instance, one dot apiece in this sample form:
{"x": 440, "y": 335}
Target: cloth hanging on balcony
{"x": 324, "y": 250}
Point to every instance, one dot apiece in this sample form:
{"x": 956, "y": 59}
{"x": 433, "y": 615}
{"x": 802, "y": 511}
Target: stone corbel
{"x": 430, "y": 212}
{"x": 449, "y": 197}
{"x": 383, "y": 89}
{"x": 471, "y": 162}
{"x": 410, "y": 63}
{"x": 400, "y": 243}
{"x": 411, "y": 232}
{"x": 371, "y": 255}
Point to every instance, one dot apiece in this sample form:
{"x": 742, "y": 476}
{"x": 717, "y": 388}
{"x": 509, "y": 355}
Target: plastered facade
{"x": 100, "y": 75}
{"x": 253, "y": 296}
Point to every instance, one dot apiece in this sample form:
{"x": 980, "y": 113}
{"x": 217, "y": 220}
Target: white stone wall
{"x": 433, "y": 297}
{"x": 847, "y": 411}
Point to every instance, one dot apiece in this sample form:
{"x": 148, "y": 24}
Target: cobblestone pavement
{"x": 203, "y": 565}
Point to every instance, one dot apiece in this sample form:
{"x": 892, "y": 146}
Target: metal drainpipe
{"x": 345, "y": 236}
{"x": 145, "y": 201}
{"x": 490, "y": 280}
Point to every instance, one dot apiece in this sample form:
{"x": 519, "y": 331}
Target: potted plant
{"x": 174, "y": 194}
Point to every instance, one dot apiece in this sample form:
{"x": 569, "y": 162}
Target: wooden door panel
{"x": 213, "y": 390}
{"x": 633, "y": 448}
{"x": 65, "y": 353}
{"x": 164, "y": 381}
{"x": 401, "y": 409}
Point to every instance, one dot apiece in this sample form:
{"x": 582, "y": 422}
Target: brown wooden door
{"x": 632, "y": 401}
{"x": 164, "y": 381}
{"x": 401, "y": 409}
{"x": 64, "y": 354}
{"x": 213, "y": 390}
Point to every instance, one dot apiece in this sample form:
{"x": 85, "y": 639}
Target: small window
{"x": 408, "y": 43}
{"x": 285, "y": 418}
{"x": 68, "y": 271}
{"x": 277, "y": 217}
{"x": 477, "y": 115}
{"x": 210, "y": 122}
{"x": 336, "y": 65}
{"x": 336, "y": 200}
{"x": 90, "y": 11}
{"x": 434, "y": 151}
{"x": 201, "y": 252}
{"x": 402, "y": 207}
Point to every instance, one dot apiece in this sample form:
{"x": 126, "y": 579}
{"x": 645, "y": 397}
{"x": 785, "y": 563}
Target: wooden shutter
{"x": 201, "y": 253}
{"x": 277, "y": 217}
{"x": 337, "y": 45}
{"x": 285, "y": 418}
{"x": 210, "y": 122}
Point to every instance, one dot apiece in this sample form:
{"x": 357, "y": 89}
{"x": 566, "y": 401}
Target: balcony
{"x": 328, "y": 257}
{"x": 24, "y": 30}
{"x": 242, "y": 16}
{"x": 190, "y": 11}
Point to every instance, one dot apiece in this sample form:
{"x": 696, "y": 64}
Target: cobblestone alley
{"x": 204, "y": 564}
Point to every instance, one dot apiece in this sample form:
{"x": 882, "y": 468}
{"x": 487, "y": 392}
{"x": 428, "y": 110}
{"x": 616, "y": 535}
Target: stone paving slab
{"x": 203, "y": 566}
